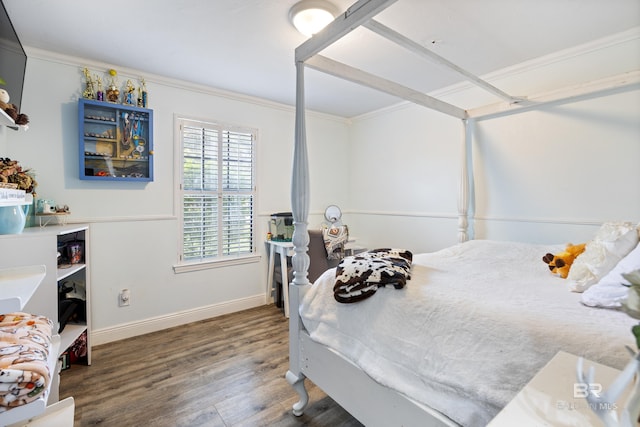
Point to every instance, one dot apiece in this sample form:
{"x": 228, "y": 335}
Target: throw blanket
{"x": 335, "y": 237}
{"x": 25, "y": 343}
{"x": 358, "y": 277}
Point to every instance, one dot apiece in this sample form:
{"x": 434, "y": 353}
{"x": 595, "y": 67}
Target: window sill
{"x": 223, "y": 262}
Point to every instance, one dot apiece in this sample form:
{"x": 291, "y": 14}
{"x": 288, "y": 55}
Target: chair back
{"x": 318, "y": 262}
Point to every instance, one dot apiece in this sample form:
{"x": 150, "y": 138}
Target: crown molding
{"x": 70, "y": 60}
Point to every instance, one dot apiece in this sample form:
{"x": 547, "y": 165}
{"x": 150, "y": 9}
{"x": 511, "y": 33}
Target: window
{"x": 217, "y": 191}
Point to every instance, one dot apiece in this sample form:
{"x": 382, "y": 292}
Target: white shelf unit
{"x": 39, "y": 246}
{"x": 17, "y": 286}
{"x": 60, "y": 414}
{"x": 72, "y": 331}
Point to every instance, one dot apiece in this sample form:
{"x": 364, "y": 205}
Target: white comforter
{"x": 472, "y": 326}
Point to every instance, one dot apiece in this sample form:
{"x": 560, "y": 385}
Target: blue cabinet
{"x": 116, "y": 141}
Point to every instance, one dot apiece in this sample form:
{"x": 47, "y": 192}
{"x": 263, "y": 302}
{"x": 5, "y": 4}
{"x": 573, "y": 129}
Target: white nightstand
{"x": 548, "y": 399}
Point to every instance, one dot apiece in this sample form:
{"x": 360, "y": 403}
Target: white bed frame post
{"x": 466, "y": 196}
{"x": 360, "y": 12}
{"x": 300, "y": 259}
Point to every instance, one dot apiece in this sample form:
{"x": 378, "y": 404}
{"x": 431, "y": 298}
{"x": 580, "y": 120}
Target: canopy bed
{"x": 451, "y": 366}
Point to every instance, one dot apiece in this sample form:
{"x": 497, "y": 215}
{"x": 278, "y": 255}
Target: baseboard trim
{"x": 154, "y": 324}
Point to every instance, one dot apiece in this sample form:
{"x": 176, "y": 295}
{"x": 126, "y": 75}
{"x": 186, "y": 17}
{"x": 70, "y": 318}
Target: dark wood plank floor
{"x": 226, "y": 371}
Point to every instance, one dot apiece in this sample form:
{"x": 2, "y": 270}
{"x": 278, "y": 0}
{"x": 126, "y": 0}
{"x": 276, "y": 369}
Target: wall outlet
{"x": 124, "y": 299}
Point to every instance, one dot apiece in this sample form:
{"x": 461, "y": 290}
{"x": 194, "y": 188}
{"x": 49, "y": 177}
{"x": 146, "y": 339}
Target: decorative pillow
{"x": 612, "y": 289}
{"x": 335, "y": 238}
{"x": 613, "y": 241}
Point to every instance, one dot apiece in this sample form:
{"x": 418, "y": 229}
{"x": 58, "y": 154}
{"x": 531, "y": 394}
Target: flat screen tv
{"x": 13, "y": 60}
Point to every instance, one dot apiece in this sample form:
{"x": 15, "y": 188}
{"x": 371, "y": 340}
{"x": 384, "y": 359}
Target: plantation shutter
{"x": 218, "y": 191}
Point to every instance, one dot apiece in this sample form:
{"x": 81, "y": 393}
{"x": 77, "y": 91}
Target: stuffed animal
{"x": 11, "y": 109}
{"x": 561, "y": 262}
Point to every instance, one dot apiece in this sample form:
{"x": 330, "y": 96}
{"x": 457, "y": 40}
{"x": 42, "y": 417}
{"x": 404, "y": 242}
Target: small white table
{"x": 285, "y": 249}
{"x": 548, "y": 399}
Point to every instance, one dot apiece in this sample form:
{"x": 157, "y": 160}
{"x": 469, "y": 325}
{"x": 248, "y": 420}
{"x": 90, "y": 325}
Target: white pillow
{"x": 610, "y": 291}
{"x": 613, "y": 241}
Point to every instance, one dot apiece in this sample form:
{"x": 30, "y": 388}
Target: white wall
{"x": 548, "y": 176}
{"x": 134, "y": 226}
{"x": 404, "y": 179}
{"x": 570, "y": 164}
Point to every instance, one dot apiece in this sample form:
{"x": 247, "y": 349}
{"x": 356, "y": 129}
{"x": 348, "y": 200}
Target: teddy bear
{"x": 11, "y": 109}
{"x": 561, "y": 262}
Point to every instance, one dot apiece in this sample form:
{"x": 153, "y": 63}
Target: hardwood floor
{"x": 226, "y": 371}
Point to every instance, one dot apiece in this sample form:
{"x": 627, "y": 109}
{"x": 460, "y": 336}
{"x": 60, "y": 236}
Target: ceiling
{"x": 247, "y": 46}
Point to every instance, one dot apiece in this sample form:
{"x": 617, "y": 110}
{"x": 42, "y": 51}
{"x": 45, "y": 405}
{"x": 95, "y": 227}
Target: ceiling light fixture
{"x": 311, "y": 16}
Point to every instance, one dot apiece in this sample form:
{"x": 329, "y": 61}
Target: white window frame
{"x": 219, "y": 260}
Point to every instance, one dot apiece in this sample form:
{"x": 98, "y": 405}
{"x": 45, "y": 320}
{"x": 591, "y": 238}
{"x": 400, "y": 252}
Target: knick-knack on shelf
{"x": 89, "y": 91}
{"x": 128, "y": 97}
{"x": 100, "y": 91}
{"x": 144, "y": 93}
{"x": 113, "y": 93}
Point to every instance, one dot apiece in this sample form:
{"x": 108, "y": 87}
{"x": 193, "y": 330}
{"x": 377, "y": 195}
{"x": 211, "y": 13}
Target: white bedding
{"x": 472, "y": 326}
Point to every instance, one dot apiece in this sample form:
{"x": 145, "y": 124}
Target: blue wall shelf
{"x": 116, "y": 141}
